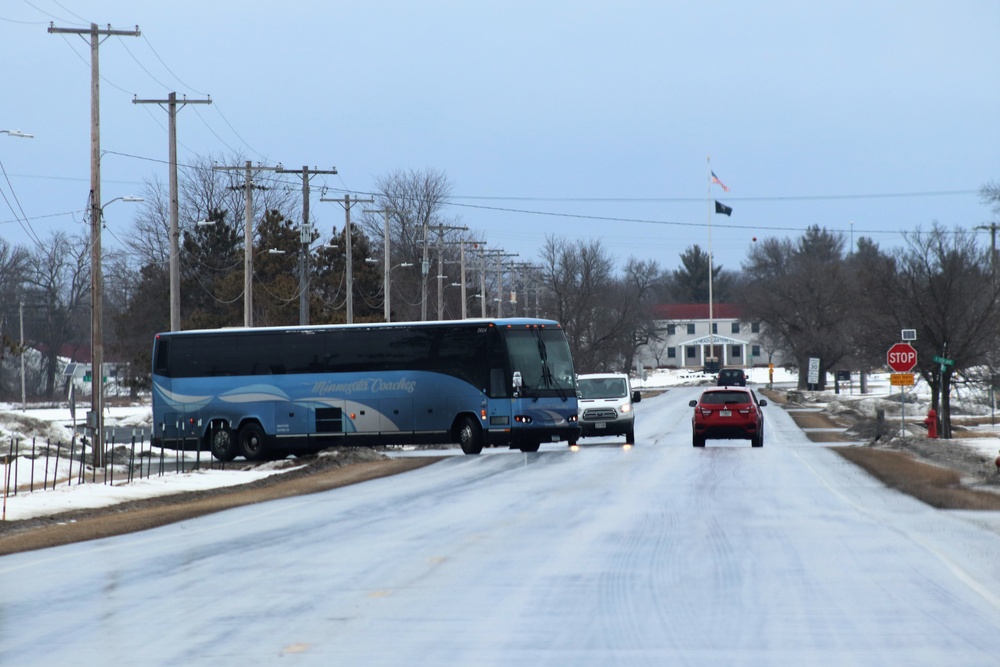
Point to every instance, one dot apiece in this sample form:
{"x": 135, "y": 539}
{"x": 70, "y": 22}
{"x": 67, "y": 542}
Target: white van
{"x": 605, "y": 403}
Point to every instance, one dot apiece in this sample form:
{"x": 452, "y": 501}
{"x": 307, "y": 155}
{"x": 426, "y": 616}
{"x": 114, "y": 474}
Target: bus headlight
{"x": 522, "y": 419}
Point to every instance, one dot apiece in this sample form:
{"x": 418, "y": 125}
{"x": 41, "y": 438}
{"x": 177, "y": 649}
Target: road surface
{"x": 652, "y": 555}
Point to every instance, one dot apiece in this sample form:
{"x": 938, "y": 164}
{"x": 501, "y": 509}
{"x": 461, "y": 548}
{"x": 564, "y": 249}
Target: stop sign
{"x": 902, "y": 357}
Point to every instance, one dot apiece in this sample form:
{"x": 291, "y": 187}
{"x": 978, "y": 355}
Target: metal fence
{"x": 45, "y": 466}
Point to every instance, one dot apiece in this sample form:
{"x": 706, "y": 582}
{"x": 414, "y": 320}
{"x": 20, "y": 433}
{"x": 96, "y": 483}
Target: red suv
{"x": 728, "y": 413}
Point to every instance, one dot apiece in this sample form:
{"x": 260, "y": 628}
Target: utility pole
{"x": 500, "y": 255}
{"x": 461, "y": 246}
{"x": 305, "y": 237}
{"x": 175, "y": 250}
{"x": 385, "y": 256}
{"x": 441, "y": 229}
{"x": 248, "y": 188}
{"x": 347, "y": 203}
{"x": 522, "y": 268}
{"x": 992, "y": 229}
{"x": 461, "y": 261}
{"x": 96, "y": 418}
{"x": 482, "y": 284}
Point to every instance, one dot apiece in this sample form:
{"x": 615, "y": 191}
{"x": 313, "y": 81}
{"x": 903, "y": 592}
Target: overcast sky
{"x": 591, "y": 120}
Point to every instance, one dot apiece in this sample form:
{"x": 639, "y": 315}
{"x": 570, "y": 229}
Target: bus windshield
{"x": 542, "y": 357}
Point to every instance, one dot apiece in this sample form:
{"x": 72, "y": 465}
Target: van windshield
{"x": 603, "y": 388}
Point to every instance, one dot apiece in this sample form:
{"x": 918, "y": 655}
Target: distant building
{"x": 687, "y": 341}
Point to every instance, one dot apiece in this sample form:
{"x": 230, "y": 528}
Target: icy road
{"x": 661, "y": 554}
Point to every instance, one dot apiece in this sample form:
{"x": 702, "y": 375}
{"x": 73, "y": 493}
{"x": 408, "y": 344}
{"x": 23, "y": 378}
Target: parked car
{"x": 732, "y": 377}
{"x": 728, "y": 413}
{"x": 605, "y": 405}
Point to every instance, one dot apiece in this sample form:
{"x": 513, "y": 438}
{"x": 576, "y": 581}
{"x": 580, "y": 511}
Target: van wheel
{"x": 630, "y": 436}
{"x": 470, "y": 436}
{"x": 222, "y": 445}
{"x": 251, "y": 442}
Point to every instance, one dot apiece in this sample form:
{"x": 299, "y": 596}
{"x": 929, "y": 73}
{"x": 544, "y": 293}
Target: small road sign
{"x": 902, "y": 357}
{"x": 901, "y": 379}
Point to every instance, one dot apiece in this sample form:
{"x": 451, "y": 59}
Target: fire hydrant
{"x": 932, "y": 423}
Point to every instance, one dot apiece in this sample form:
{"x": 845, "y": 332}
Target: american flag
{"x": 715, "y": 179}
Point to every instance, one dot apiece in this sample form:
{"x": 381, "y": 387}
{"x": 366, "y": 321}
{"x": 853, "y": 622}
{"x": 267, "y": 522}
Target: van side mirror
{"x": 636, "y": 396}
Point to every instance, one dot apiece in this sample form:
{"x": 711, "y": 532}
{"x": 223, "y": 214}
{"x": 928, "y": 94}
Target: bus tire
{"x": 530, "y": 447}
{"x": 251, "y": 441}
{"x": 221, "y": 444}
{"x": 470, "y": 435}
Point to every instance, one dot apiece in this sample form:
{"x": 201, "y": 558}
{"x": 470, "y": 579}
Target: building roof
{"x": 687, "y": 312}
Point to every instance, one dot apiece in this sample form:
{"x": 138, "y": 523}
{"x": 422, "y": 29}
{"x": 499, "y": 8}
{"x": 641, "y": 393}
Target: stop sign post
{"x": 902, "y": 358}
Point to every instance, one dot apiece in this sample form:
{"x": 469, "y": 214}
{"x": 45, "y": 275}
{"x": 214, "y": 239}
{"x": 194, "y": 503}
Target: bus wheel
{"x": 531, "y": 447}
{"x": 222, "y": 446}
{"x": 470, "y": 435}
{"x": 251, "y": 442}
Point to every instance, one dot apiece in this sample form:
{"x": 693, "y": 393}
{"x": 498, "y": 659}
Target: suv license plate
{"x": 725, "y": 413}
{"x": 601, "y": 425}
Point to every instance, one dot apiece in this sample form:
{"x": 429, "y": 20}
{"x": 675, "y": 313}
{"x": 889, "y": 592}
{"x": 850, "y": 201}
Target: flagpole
{"x": 711, "y": 270}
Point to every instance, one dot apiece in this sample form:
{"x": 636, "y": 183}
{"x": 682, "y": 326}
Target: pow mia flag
{"x": 722, "y": 208}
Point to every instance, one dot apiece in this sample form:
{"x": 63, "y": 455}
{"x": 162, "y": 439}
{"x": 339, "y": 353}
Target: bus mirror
{"x": 517, "y": 380}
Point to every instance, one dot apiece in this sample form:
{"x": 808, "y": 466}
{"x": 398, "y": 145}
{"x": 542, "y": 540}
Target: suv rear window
{"x": 724, "y": 397}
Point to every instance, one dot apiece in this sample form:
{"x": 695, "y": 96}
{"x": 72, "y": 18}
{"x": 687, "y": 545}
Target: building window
{"x": 671, "y": 353}
{"x": 755, "y": 350}
{"x": 736, "y": 327}
{"x": 755, "y": 327}
{"x": 715, "y": 327}
{"x": 736, "y": 352}
{"x": 671, "y": 329}
{"x": 691, "y": 329}
{"x": 690, "y": 351}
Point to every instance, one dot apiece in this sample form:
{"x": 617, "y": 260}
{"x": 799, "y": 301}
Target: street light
{"x": 95, "y": 420}
{"x": 17, "y": 133}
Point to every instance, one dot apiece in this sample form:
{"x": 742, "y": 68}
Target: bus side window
{"x": 497, "y": 386}
{"x": 162, "y": 356}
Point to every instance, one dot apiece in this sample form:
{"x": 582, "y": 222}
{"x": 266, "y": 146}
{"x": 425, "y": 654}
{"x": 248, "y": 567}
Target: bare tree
{"x": 13, "y": 268}
{"x": 58, "y": 283}
{"x": 416, "y": 201}
{"x": 582, "y": 291}
{"x": 634, "y": 305}
{"x": 802, "y": 293}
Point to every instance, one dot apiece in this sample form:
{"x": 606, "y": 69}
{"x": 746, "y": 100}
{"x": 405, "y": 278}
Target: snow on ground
{"x": 20, "y": 430}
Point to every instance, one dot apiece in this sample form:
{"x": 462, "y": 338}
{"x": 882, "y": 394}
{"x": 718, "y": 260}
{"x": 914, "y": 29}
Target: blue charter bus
{"x": 271, "y": 391}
